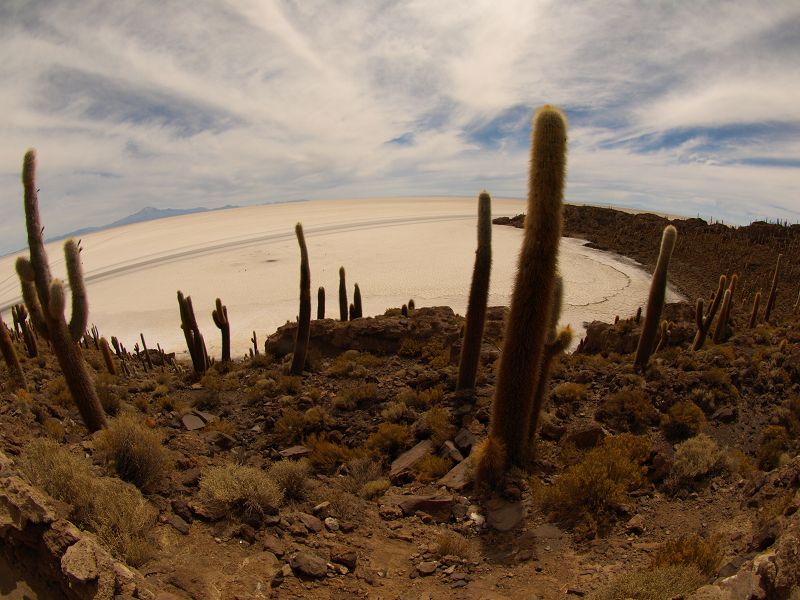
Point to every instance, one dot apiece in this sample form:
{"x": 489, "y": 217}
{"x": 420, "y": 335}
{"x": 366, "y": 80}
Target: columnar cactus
{"x": 9, "y": 353}
{"x": 754, "y": 312}
{"x": 478, "y": 297}
{"x": 411, "y": 305}
{"x": 721, "y": 330}
{"x": 26, "y": 330}
{"x": 220, "y": 317}
{"x": 44, "y": 299}
{"x": 304, "y": 320}
{"x": 321, "y": 303}
{"x": 359, "y": 312}
{"x": 343, "y": 314}
{"x": 531, "y": 301}
{"x": 655, "y": 300}
{"x": 704, "y": 322}
{"x": 108, "y": 358}
{"x": 191, "y": 331}
{"x": 773, "y": 290}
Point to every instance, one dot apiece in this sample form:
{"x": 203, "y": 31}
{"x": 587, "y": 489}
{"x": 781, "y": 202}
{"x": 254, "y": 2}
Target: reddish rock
{"x": 404, "y": 464}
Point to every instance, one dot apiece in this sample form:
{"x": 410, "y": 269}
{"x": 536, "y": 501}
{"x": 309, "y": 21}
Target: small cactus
{"x": 357, "y": 302}
{"x": 404, "y": 310}
{"x": 704, "y": 322}
{"x": 655, "y": 300}
{"x": 10, "y": 356}
{"x": 478, "y": 297}
{"x": 220, "y": 317}
{"x": 411, "y": 305}
{"x": 343, "y": 314}
{"x": 321, "y": 303}
{"x": 304, "y": 320}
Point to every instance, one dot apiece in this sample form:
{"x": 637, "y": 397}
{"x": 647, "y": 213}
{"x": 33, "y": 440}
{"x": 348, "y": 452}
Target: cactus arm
{"x": 478, "y": 297}
{"x": 80, "y": 304}
{"x": 304, "y": 320}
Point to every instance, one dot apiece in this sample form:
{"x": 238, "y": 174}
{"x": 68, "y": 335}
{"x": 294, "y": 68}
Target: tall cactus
{"x": 44, "y": 298}
{"x": 304, "y": 320}
{"x": 754, "y": 312}
{"x": 108, "y": 358}
{"x": 321, "y": 302}
{"x": 359, "y": 312}
{"x": 655, "y": 299}
{"x": 773, "y": 290}
{"x": 343, "y": 314}
{"x": 704, "y": 322}
{"x": 721, "y": 330}
{"x": 220, "y": 317}
{"x": 191, "y": 331}
{"x": 478, "y": 297}
{"x": 26, "y": 330}
{"x": 531, "y": 300}
{"x": 9, "y": 353}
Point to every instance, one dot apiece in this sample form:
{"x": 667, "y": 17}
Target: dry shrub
{"x": 109, "y": 393}
{"x": 57, "y": 392}
{"x": 691, "y": 550}
{"x": 360, "y": 472}
{"x": 326, "y": 456}
{"x": 587, "y": 494}
{"x": 738, "y": 462}
{"x": 353, "y": 363}
{"x": 683, "y": 419}
{"x": 221, "y": 425}
{"x": 290, "y": 384}
{"x": 432, "y": 467}
{"x": 375, "y": 488}
{"x": 351, "y": 397}
{"x": 389, "y": 440}
{"x": 394, "y": 411}
{"x": 292, "y": 479}
{"x": 316, "y": 418}
{"x": 54, "y": 429}
{"x": 431, "y": 352}
{"x": 345, "y": 505}
{"x": 451, "y": 543}
{"x": 656, "y": 583}
{"x": 431, "y": 396}
{"x": 628, "y": 410}
{"x": 436, "y": 423}
{"x": 289, "y": 427}
{"x": 114, "y": 510}
{"x": 569, "y": 392}
{"x": 695, "y": 459}
{"x": 240, "y": 488}
{"x": 135, "y": 452}
{"x": 774, "y": 442}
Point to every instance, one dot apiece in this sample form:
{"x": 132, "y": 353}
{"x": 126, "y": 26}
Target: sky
{"x": 684, "y": 107}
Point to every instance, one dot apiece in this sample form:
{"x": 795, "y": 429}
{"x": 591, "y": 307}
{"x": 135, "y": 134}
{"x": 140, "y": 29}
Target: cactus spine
{"x": 10, "y": 356}
{"x": 478, "y": 297}
{"x": 531, "y": 300}
{"x": 655, "y": 300}
{"x": 357, "y": 302}
{"x": 220, "y": 317}
{"x": 773, "y": 290}
{"x": 321, "y": 303}
{"x": 704, "y": 322}
{"x": 191, "y": 331}
{"x": 304, "y": 320}
{"x": 44, "y": 298}
{"x": 342, "y": 296}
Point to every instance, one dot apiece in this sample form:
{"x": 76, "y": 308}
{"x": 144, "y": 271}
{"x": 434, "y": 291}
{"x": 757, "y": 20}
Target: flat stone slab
{"x": 440, "y": 507}
{"x": 403, "y": 465}
{"x": 308, "y": 565}
{"x": 295, "y": 452}
{"x": 192, "y": 422}
{"x": 457, "y": 478}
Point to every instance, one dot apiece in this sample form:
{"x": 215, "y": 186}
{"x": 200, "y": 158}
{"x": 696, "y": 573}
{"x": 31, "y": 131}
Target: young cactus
{"x": 531, "y": 301}
{"x": 304, "y": 320}
{"x": 704, "y": 322}
{"x": 655, "y": 300}
{"x": 220, "y": 317}
{"x": 478, "y": 297}
{"x": 44, "y": 299}
{"x": 343, "y": 314}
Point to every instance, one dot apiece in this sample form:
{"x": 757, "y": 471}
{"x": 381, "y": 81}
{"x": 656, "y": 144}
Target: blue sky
{"x": 682, "y": 107}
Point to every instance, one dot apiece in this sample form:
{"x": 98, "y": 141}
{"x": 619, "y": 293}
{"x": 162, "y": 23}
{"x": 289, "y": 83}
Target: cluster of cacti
{"x": 220, "y": 317}
{"x": 478, "y": 297}
{"x": 9, "y": 353}
{"x": 655, "y": 299}
{"x": 191, "y": 331}
{"x": 303, "y": 332}
{"x": 531, "y": 310}
{"x": 704, "y": 320}
{"x": 45, "y": 300}
{"x": 773, "y": 290}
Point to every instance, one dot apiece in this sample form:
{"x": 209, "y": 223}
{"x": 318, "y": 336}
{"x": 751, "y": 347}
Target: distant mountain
{"x": 149, "y": 213}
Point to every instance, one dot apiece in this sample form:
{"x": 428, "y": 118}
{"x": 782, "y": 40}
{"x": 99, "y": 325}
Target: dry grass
{"x": 115, "y": 511}
{"x": 691, "y": 550}
{"x": 135, "y": 452}
{"x": 773, "y": 443}
{"x": 289, "y": 427}
{"x": 628, "y": 410}
{"x": 361, "y": 471}
{"x": 292, "y": 479}
{"x": 569, "y": 392}
{"x": 375, "y": 488}
{"x": 683, "y": 419}
{"x": 451, "y": 543}
{"x": 351, "y": 397}
{"x": 432, "y": 467}
{"x": 657, "y": 583}
{"x": 326, "y": 456}
{"x": 241, "y": 488}
{"x": 353, "y": 363}
{"x": 436, "y": 423}
{"x": 695, "y": 459}
{"x": 394, "y": 412}
{"x": 389, "y": 440}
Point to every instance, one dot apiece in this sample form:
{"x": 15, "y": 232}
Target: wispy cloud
{"x": 674, "y": 106}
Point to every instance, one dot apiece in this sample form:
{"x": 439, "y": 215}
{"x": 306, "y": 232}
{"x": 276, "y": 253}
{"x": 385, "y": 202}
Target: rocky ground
{"x": 354, "y": 479}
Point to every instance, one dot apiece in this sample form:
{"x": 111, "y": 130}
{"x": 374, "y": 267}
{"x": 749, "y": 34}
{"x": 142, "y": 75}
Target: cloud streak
{"x": 674, "y": 107}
